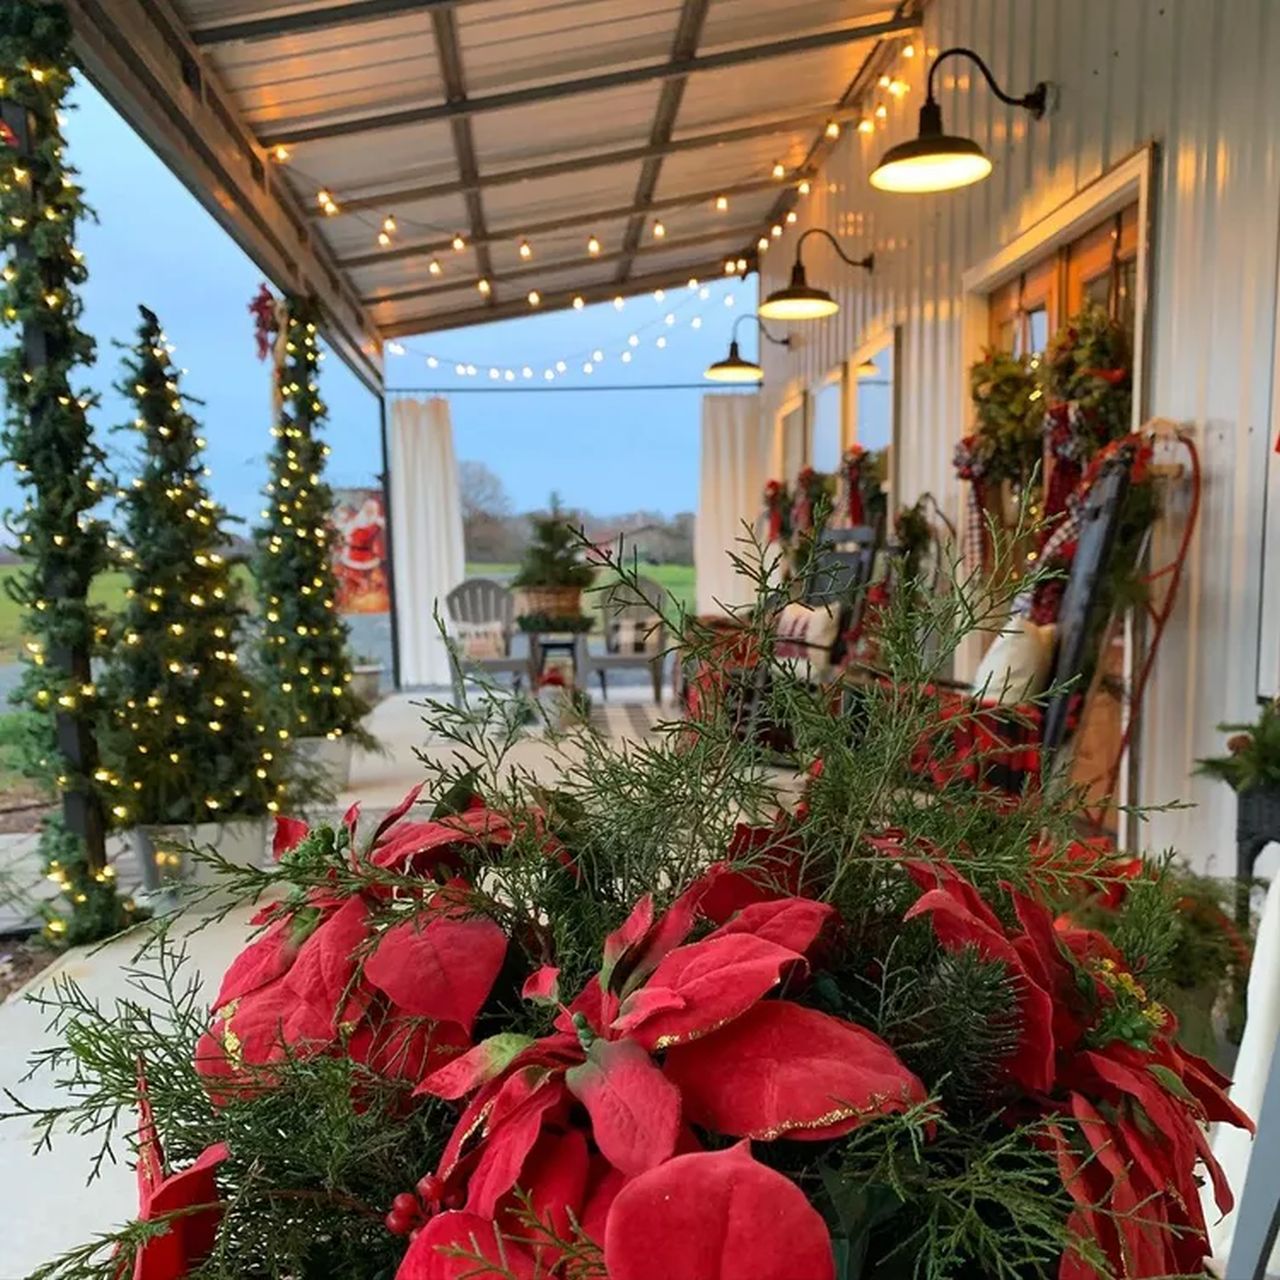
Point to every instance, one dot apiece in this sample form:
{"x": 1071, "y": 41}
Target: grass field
{"x": 108, "y": 590}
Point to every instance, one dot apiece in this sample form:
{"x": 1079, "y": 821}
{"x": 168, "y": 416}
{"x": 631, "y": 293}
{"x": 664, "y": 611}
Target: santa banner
{"x": 360, "y": 551}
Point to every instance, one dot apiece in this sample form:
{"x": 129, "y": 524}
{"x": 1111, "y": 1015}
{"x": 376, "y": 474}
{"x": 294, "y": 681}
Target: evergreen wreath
{"x": 48, "y": 438}
{"x": 1009, "y": 412}
{"x": 187, "y": 737}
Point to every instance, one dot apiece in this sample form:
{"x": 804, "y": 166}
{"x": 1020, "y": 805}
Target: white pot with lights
{"x": 165, "y": 854}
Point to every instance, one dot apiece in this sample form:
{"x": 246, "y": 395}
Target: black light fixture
{"x": 800, "y": 300}
{"x": 733, "y": 368}
{"x": 937, "y": 161}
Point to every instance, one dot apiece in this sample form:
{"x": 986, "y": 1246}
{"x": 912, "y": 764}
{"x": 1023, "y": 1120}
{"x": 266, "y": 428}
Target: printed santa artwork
{"x": 360, "y": 552}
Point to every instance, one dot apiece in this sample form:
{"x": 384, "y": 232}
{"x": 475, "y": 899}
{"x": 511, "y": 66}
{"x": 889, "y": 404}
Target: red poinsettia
{"x": 670, "y": 1034}
{"x": 1098, "y": 1056}
{"x": 320, "y": 978}
{"x": 188, "y": 1201}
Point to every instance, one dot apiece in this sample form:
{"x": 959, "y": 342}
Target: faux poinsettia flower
{"x": 715, "y": 1216}
{"x": 190, "y": 1196}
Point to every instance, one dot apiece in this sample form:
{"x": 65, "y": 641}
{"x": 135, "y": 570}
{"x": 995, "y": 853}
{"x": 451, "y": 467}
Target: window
{"x": 827, "y": 431}
{"x": 873, "y": 378}
{"x": 791, "y": 437}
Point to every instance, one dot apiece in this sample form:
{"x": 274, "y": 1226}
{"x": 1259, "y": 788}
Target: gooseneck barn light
{"x": 938, "y": 161}
{"x": 800, "y": 300}
{"x": 733, "y": 368}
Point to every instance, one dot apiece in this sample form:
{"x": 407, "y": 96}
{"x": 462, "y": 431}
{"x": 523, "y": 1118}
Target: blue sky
{"x": 154, "y": 244}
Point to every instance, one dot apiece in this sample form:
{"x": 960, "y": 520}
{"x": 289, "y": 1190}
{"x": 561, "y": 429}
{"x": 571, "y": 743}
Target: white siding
{"x": 1197, "y": 77}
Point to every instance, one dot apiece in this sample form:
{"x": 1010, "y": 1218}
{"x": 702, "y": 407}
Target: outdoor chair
{"x": 482, "y": 624}
{"x": 634, "y": 633}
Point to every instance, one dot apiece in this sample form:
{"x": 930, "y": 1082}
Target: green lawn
{"x": 676, "y": 578}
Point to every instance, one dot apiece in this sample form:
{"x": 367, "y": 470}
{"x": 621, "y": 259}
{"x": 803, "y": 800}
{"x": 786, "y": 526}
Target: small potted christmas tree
{"x": 186, "y": 740}
{"x": 552, "y": 574}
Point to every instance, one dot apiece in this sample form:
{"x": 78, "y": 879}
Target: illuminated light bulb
{"x": 669, "y": 318}
{"x": 561, "y": 366}
{"x": 633, "y": 340}
{"x": 728, "y": 300}
{"x": 883, "y": 82}
{"x": 484, "y": 286}
{"x": 588, "y": 367}
{"x": 742, "y": 265}
{"x": 805, "y": 187}
{"x": 471, "y": 371}
{"x": 459, "y": 244}
{"x": 579, "y": 302}
{"x": 619, "y": 302}
{"x": 866, "y": 125}
{"x": 730, "y": 266}
{"x": 659, "y": 229}
{"x": 693, "y": 282}
{"x": 704, "y": 293}
{"x": 383, "y": 239}
{"x": 509, "y": 375}
{"x": 696, "y": 322}
{"x": 495, "y": 374}
{"x": 659, "y": 295}
{"x": 833, "y": 129}
{"x": 389, "y": 224}
{"x": 898, "y": 88}
{"x": 722, "y": 203}
{"x": 37, "y": 74}
{"x": 593, "y": 246}
{"x": 534, "y": 297}
{"x": 323, "y": 197}
{"x": 626, "y": 357}
{"x": 908, "y": 51}
{"x": 460, "y": 370}
{"x": 526, "y": 250}
{"x": 526, "y": 372}
{"x": 432, "y": 362}
{"x": 395, "y": 348}
{"x": 776, "y": 230}
{"x": 434, "y": 267}
{"x": 882, "y": 112}
{"x": 549, "y": 375}
{"x": 280, "y": 153}
{"x": 779, "y": 169}
{"x": 662, "y": 341}
{"x": 762, "y": 244}
{"x": 791, "y": 217}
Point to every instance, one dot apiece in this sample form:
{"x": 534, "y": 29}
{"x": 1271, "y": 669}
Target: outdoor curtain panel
{"x": 735, "y": 459}
{"x": 426, "y": 533}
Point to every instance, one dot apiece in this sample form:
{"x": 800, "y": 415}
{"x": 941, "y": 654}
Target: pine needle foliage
{"x": 48, "y": 438}
{"x": 554, "y": 555}
{"x": 187, "y": 739}
{"x": 963, "y": 1187}
{"x": 306, "y": 667}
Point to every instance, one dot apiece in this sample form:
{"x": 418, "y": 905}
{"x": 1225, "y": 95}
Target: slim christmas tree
{"x": 48, "y": 439}
{"x": 187, "y": 737}
{"x": 306, "y": 666}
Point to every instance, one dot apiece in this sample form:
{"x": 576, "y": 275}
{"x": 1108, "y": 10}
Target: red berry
{"x": 406, "y": 1204}
{"x": 398, "y": 1224}
{"x": 430, "y": 1188}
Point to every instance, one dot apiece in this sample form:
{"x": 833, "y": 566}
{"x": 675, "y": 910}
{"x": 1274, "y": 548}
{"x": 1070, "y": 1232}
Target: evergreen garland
{"x": 305, "y": 664}
{"x": 48, "y": 438}
{"x": 187, "y": 738}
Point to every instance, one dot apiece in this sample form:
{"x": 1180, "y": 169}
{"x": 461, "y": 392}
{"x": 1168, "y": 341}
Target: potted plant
{"x": 552, "y": 574}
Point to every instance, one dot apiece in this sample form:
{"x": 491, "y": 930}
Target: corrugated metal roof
{"x": 555, "y": 120}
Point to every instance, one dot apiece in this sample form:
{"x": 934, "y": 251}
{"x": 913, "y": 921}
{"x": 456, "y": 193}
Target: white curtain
{"x": 426, "y": 533}
{"x": 735, "y": 463}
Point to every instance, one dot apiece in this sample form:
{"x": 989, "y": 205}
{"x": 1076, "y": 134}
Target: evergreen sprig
{"x": 48, "y": 438}
{"x": 186, "y": 740}
{"x": 306, "y": 668}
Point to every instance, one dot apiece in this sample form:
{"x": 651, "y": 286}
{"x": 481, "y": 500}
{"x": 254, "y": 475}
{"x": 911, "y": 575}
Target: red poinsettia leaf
{"x": 480, "y": 1064}
{"x": 441, "y": 968}
{"x": 782, "y": 1069}
{"x": 395, "y": 813}
{"x": 422, "y": 848}
{"x": 790, "y": 922}
{"x": 603, "y": 1184}
{"x": 513, "y": 1125}
{"x": 324, "y": 974}
{"x": 634, "y": 1108}
{"x": 598, "y": 1006}
{"x": 464, "y": 1246}
{"x": 553, "y": 1187}
{"x": 543, "y": 985}
{"x": 641, "y": 1005}
{"x": 265, "y": 959}
{"x": 289, "y": 833}
{"x": 938, "y": 873}
{"x": 190, "y": 1236}
{"x": 406, "y": 1048}
{"x": 669, "y": 931}
{"x": 715, "y": 1216}
{"x": 716, "y": 980}
{"x": 1208, "y": 1086}
{"x": 627, "y": 937}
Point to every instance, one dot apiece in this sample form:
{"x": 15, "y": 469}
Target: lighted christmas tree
{"x": 48, "y": 439}
{"x": 305, "y": 661}
{"x": 187, "y": 737}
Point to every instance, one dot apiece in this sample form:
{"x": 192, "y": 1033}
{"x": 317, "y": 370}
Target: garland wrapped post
{"x": 47, "y": 436}
{"x": 187, "y": 737}
{"x": 305, "y": 662}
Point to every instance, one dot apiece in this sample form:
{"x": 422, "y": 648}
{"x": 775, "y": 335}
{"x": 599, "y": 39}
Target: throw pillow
{"x": 804, "y": 639}
{"x": 481, "y": 640}
{"x": 1016, "y": 667}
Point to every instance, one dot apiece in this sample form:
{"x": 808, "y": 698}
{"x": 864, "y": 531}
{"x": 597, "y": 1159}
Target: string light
{"x": 866, "y": 125}
{"x": 389, "y": 224}
{"x": 459, "y": 244}
{"x": 484, "y": 286}
{"x": 579, "y": 302}
{"x": 526, "y": 250}
{"x": 779, "y": 169}
{"x": 280, "y": 153}
{"x": 791, "y": 217}
{"x": 434, "y": 266}
{"x": 776, "y": 230}
{"x": 898, "y": 88}
{"x": 762, "y": 244}
{"x": 659, "y": 295}
{"x": 833, "y": 129}
{"x": 805, "y": 187}
{"x": 593, "y": 246}
{"x": 659, "y": 230}
{"x": 534, "y": 297}
{"x": 722, "y": 203}
{"x": 619, "y": 302}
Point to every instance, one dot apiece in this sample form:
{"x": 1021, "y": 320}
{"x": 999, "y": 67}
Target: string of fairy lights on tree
{"x": 48, "y": 438}
{"x": 187, "y": 739}
{"x": 305, "y": 664}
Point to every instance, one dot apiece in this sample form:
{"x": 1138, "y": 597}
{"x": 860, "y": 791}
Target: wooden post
{"x": 75, "y": 741}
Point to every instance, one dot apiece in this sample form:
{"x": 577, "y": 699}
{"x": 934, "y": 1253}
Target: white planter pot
{"x": 366, "y": 683}
{"x": 330, "y": 757}
{"x": 164, "y": 855}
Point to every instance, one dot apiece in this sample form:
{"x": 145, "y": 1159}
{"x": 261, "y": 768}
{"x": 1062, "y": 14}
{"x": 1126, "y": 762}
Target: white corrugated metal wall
{"x": 1198, "y": 78}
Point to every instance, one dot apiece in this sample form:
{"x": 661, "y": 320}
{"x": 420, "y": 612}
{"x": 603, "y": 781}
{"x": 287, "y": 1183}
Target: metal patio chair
{"x": 634, "y": 634}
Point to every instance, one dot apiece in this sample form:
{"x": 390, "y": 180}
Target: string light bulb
{"x": 833, "y": 129}
{"x": 526, "y": 250}
{"x": 280, "y": 153}
{"x": 722, "y": 203}
{"x": 484, "y": 286}
{"x": 434, "y": 267}
{"x": 779, "y": 169}
{"x": 659, "y": 230}
{"x": 593, "y": 246}
{"x": 459, "y": 244}
{"x": 866, "y": 125}
{"x": 578, "y": 303}
{"x": 534, "y": 297}
{"x": 389, "y": 224}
